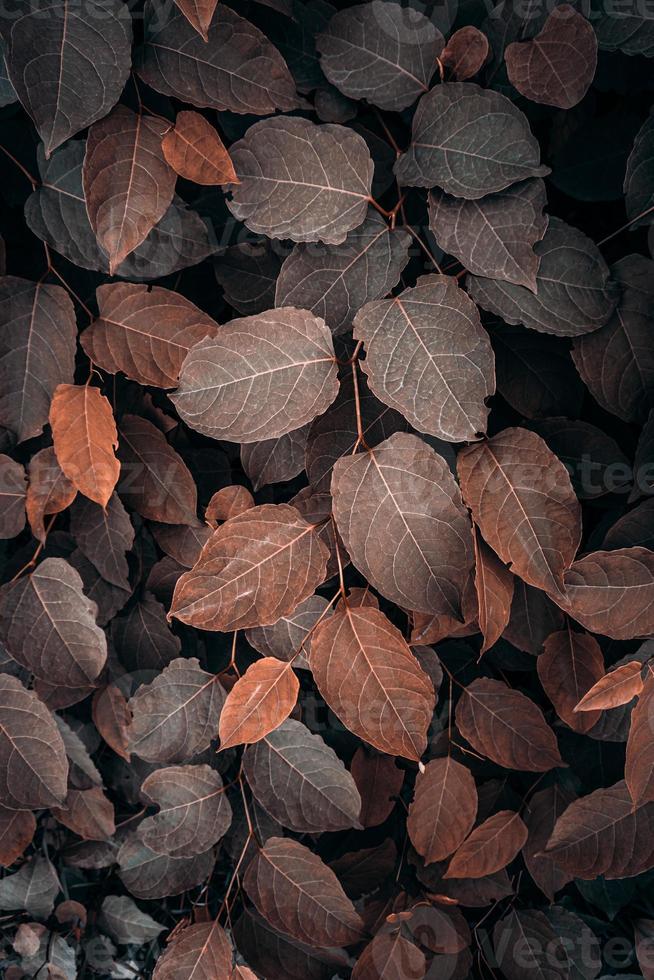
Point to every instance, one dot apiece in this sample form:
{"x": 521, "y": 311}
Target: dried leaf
{"x": 195, "y": 151}
{"x": 260, "y": 377}
{"x": 84, "y": 436}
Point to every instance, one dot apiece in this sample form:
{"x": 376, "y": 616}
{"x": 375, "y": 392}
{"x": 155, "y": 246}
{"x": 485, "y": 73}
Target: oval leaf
{"x": 85, "y": 437}
{"x": 490, "y": 847}
{"x": 443, "y": 810}
{"x": 258, "y": 703}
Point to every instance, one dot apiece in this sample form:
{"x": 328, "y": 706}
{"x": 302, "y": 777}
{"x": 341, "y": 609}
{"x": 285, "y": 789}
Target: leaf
{"x": 12, "y": 497}
{"x": 258, "y": 703}
{"x": 470, "y": 142}
{"x": 33, "y": 888}
{"x": 37, "y": 352}
{"x": 335, "y": 281}
{"x": 284, "y": 638}
{"x": 574, "y": 293}
{"x": 335, "y": 433}
{"x": 402, "y": 495}
{"x": 248, "y": 275}
{"x": 494, "y": 586}
{"x": 126, "y": 923}
{"x": 604, "y": 834}
{"x": 56, "y": 213}
{"x": 616, "y": 363}
{"x": 465, "y": 53}
{"x": 569, "y": 665}
{"x": 112, "y": 718}
{"x": 235, "y": 69}
{"x": 616, "y": 687}
{"x": 88, "y": 813}
{"x": 278, "y": 957}
{"x": 195, "y": 151}
{"x": 199, "y": 952}
{"x": 154, "y": 479}
{"x": 142, "y": 637}
{"x": 494, "y": 236}
{"x": 49, "y": 626}
{"x": 557, "y": 66}
{"x": 194, "y": 811}
{"x": 300, "y": 896}
{"x": 533, "y": 617}
{"x": 523, "y": 503}
{"x": 543, "y": 810}
{"x": 428, "y": 356}
{"x": 638, "y": 763}
{"x": 148, "y": 875}
{"x": 17, "y": 828}
{"x": 638, "y": 182}
{"x": 49, "y": 491}
{"x": 391, "y": 956}
{"x": 175, "y": 716}
{"x": 370, "y": 679}
{"x": 257, "y": 567}
{"x": 378, "y": 52}
{"x": 260, "y": 377}
{"x": 527, "y": 937}
{"x": 506, "y": 726}
{"x": 275, "y": 460}
{"x": 612, "y": 592}
{"x": 379, "y": 781}
{"x": 301, "y": 181}
{"x": 490, "y": 847}
{"x": 198, "y": 13}
{"x": 104, "y": 536}
{"x": 126, "y": 200}
{"x": 301, "y": 781}
{"x": 228, "y": 502}
{"x": 144, "y": 332}
{"x": 595, "y": 462}
{"x": 630, "y": 33}
{"x": 84, "y": 436}
{"x": 443, "y": 810}
{"x": 53, "y": 49}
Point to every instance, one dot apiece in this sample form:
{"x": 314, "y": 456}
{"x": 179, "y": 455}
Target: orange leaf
{"x": 84, "y": 436}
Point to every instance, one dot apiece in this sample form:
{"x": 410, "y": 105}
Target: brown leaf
{"x": 428, "y": 356}
{"x": 37, "y": 351}
{"x": 112, "y": 718}
{"x": 278, "y": 957}
{"x": 148, "y": 875}
{"x": 614, "y": 688}
{"x": 49, "y": 626}
{"x": 275, "y": 460}
{"x": 258, "y": 703}
{"x": 228, "y": 502}
{"x": 379, "y": 781}
{"x": 183, "y": 542}
{"x": 84, "y": 436}
{"x": 604, "y": 834}
{"x": 199, "y": 952}
{"x": 12, "y": 497}
{"x": 570, "y": 664}
{"x": 88, "y": 813}
{"x": 505, "y": 726}
{"x": 175, "y": 716}
{"x": 104, "y": 536}
{"x": 198, "y": 13}
{"x": 145, "y": 332}
{"x": 494, "y": 586}
{"x": 17, "y": 828}
{"x": 533, "y": 617}
{"x": 368, "y": 676}
{"x": 255, "y": 568}
{"x": 556, "y": 67}
{"x": 142, "y": 637}
{"x": 390, "y": 957}
{"x": 402, "y": 496}
{"x": 301, "y": 781}
{"x": 443, "y": 810}
{"x": 259, "y": 378}
{"x": 612, "y": 592}
{"x": 542, "y": 812}
{"x": 33, "y": 764}
{"x": 49, "y": 491}
{"x": 639, "y": 762}
{"x": 128, "y": 185}
{"x": 154, "y": 479}
{"x": 465, "y": 53}
{"x": 490, "y": 847}
{"x": 290, "y": 634}
{"x": 300, "y": 895}
{"x": 194, "y": 811}
{"x": 522, "y": 500}
{"x": 196, "y": 152}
